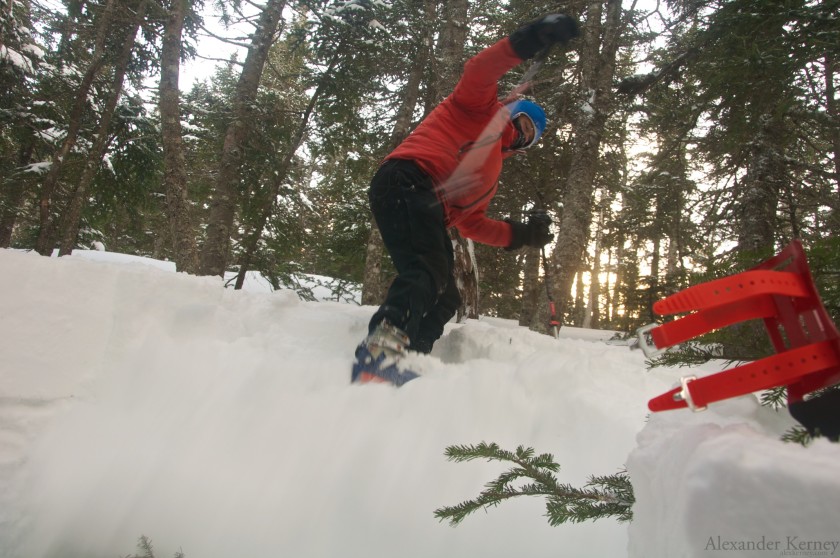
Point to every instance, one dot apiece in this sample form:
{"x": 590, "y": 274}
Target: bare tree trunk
{"x": 580, "y": 305}
{"x": 12, "y": 197}
{"x": 450, "y": 51}
{"x": 674, "y": 271}
{"x": 531, "y": 286}
{"x": 615, "y": 302}
{"x": 608, "y": 294}
{"x": 374, "y": 285}
{"x": 466, "y": 276}
{"x": 184, "y": 247}
{"x": 597, "y": 61}
{"x": 759, "y": 190}
{"x": 223, "y": 204}
{"x": 592, "y": 319}
{"x": 73, "y": 214}
{"x": 834, "y": 113}
{"x": 653, "y": 284}
{"x": 672, "y": 267}
{"x": 46, "y": 233}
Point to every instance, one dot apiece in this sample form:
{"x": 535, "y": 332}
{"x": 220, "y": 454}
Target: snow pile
{"x": 136, "y": 401}
{"x": 316, "y": 287}
{"x": 720, "y": 483}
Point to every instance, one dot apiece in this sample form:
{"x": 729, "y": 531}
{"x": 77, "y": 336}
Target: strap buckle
{"x": 782, "y": 293}
{"x": 645, "y": 341}
{"x": 685, "y": 395}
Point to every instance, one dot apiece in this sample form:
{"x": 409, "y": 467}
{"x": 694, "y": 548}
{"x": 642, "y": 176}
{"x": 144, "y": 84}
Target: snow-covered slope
{"x": 136, "y": 401}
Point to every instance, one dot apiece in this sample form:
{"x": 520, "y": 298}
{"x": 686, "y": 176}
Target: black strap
{"x": 820, "y": 415}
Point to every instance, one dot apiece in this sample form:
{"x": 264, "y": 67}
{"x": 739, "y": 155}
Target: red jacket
{"x": 462, "y": 142}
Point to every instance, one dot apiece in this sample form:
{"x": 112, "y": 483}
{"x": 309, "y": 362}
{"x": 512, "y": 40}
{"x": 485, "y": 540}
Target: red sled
{"x": 781, "y": 292}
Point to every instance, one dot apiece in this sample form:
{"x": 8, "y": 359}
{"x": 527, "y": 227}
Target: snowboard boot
{"x": 378, "y": 355}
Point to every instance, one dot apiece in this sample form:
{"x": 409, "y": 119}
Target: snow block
{"x": 724, "y": 488}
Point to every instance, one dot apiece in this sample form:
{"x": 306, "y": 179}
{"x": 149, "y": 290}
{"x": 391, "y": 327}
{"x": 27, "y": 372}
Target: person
{"x": 444, "y": 174}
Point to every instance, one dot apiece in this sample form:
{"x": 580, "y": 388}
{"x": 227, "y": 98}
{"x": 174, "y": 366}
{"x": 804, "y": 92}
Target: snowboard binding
{"x": 377, "y": 357}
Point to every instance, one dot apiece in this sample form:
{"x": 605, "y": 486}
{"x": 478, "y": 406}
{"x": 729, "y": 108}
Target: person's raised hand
{"x": 542, "y": 33}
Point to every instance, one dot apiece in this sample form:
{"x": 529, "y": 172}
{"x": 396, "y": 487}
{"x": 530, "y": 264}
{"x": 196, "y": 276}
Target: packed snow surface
{"x": 137, "y": 401}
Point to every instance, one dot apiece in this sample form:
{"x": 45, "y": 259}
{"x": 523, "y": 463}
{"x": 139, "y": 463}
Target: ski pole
{"x": 535, "y": 66}
{"x": 530, "y": 73}
{"x": 553, "y": 323}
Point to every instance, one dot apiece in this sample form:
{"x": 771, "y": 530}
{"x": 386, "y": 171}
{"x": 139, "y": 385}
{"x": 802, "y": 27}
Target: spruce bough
{"x": 533, "y": 475}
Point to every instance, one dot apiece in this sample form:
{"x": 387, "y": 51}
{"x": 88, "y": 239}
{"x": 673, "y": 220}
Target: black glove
{"x": 527, "y": 41}
{"x": 534, "y": 233}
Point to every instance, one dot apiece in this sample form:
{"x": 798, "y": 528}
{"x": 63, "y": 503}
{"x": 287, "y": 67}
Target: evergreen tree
{"x": 21, "y": 55}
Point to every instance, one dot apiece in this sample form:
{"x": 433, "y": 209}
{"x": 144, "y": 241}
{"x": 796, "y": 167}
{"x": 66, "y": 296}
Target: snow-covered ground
{"x": 137, "y": 401}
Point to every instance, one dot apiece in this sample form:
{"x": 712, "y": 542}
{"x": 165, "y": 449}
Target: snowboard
{"x": 368, "y": 369}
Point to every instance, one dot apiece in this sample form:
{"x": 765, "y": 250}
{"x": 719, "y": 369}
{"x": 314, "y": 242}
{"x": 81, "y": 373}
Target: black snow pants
{"x": 423, "y": 297}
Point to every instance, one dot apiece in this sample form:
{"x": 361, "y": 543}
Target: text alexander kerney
{"x": 789, "y": 544}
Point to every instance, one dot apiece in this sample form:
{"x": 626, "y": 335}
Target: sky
{"x": 212, "y": 51}
{"x": 138, "y": 401}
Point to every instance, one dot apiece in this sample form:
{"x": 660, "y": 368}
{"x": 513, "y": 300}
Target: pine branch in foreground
{"x": 144, "y": 545}
{"x": 797, "y": 435}
{"x": 775, "y": 398}
{"x": 533, "y": 475}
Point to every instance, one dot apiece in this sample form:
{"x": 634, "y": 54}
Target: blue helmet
{"x": 533, "y": 111}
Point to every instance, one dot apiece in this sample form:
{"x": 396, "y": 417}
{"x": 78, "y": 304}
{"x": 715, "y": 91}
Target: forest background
{"x": 687, "y": 139}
